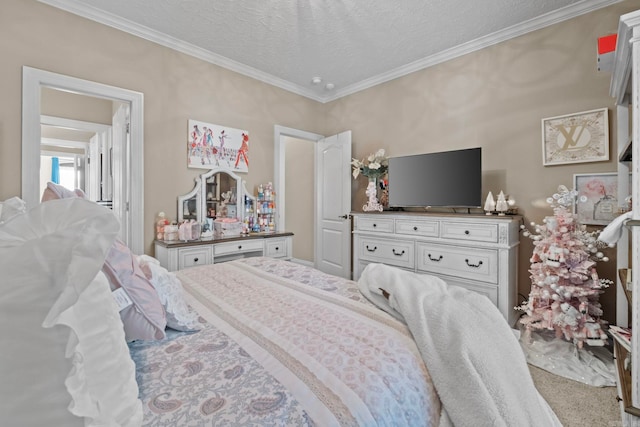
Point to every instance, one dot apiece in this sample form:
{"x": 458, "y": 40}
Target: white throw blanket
{"x": 475, "y": 361}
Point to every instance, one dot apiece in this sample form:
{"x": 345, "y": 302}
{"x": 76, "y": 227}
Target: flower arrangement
{"x": 375, "y": 166}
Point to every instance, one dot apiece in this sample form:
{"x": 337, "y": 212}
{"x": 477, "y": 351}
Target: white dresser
{"x": 178, "y": 255}
{"x": 476, "y": 252}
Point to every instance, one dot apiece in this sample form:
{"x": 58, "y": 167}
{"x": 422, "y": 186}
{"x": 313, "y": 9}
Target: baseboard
{"x": 302, "y": 262}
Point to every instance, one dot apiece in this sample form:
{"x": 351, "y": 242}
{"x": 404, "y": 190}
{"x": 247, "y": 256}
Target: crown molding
{"x": 538, "y": 23}
{"x": 560, "y": 15}
{"x": 119, "y": 23}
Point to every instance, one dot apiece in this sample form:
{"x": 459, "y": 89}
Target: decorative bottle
{"x": 605, "y": 208}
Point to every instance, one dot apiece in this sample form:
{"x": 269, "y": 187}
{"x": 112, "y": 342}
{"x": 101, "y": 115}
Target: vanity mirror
{"x": 218, "y": 193}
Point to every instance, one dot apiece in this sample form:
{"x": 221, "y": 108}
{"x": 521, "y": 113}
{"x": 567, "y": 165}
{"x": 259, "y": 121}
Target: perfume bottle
{"x": 605, "y": 208}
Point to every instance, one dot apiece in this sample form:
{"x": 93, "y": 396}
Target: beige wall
{"x": 74, "y": 106}
{"x": 299, "y": 195}
{"x": 493, "y": 98}
{"x": 176, "y": 88}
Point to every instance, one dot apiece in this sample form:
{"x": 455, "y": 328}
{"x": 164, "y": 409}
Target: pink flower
{"x": 595, "y": 188}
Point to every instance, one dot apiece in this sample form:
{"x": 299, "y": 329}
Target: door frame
{"x": 33, "y": 80}
{"x": 279, "y": 132}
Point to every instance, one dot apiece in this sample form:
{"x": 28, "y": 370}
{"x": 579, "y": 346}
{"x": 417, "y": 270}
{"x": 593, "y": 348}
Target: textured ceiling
{"x": 350, "y": 44}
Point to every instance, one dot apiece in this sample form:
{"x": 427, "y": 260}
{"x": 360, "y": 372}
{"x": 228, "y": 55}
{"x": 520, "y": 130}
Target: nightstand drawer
{"x": 417, "y": 228}
{"x": 470, "y": 232}
{"x": 469, "y": 263}
{"x": 276, "y": 248}
{"x": 392, "y": 252}
{"x": 380, "y": 225}
{"x": 190, "y": 257}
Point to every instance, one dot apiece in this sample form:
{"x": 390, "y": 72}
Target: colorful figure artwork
{"x": 217, "y": 146}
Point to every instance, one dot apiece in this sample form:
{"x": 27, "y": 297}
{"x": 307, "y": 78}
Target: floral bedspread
{"x": 283, "y": 345}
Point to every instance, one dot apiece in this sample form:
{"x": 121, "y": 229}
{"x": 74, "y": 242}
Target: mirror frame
{"x": 181, "y": 199}
{"x": 200, "y": 190}
{"x": 33, "y": 80}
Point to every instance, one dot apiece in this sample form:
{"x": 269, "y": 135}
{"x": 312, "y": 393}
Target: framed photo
{"x": 211, "y": 146}
{"x": 600, "y": 194}
{"x": 576, "y": 138}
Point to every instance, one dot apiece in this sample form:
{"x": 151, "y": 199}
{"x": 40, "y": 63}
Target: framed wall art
{"x": 576, "y": 138}
{"x": 597, "y": 197}
{"x": 211, "y": 146}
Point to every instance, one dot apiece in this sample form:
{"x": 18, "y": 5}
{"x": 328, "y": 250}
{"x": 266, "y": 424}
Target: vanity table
{"x": 220, "y": 193}
{"x": 177, "y": 255}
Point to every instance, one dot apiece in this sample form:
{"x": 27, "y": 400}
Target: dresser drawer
{"x": 470, "y": 232}
{"x": 469, "y": 263}
{"x": 276, "y": 248}
{"x": 380, "y": 225}
{"x": 489, "y": 291}
{"x": 238, "y": 246}
{"x": 417, "y": 228}
{"x": 190, "y": 257}
{"x": 392, "y": 252}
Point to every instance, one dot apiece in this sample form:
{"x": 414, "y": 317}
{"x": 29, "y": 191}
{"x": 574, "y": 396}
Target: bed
{"x": 264, "y": 342}
{"x": 97, "y": 336}
{"x": 283, "y": 344}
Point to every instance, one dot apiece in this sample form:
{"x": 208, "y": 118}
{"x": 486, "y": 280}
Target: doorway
{"x": 128, "y": 159}
{"x": 331, "y": 233}
{"x": 87, "y": 144}
{"x": 290, "y": 143}
{"x": 299, "y": 191}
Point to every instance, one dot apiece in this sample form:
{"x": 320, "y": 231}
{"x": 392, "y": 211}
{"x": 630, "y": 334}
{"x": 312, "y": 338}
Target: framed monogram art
{"x": 576, "y": 138}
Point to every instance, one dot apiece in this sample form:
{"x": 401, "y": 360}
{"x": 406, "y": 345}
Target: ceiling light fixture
{"x": 329, "y": 86}
{"x": 316, "y": 80}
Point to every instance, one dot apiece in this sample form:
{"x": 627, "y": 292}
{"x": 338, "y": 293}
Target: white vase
{"x": 372, "y": 195}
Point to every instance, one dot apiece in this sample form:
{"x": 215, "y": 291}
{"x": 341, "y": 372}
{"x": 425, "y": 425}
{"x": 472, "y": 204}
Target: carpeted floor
{"x": 575, "y": 403}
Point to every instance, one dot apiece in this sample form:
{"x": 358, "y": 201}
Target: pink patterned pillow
{"x": 145, "y": 319}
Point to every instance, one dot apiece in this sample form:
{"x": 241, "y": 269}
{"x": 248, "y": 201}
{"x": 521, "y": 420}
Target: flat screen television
{"x": 444, "y": 179}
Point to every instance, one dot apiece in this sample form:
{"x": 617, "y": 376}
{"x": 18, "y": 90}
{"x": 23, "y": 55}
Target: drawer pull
{"x": 239, "y": 246}
{"x": 473, "y": 265}
{"x": 277, "y": 248}
{"x": 415, "y": 228}
{"x": 396, "y": 253}
{"x": 375, "y": 225}
{"x": 435, "y": 259}
{"x": 195, "y": 259}
{"x": 467, "y": 232}
{"x": 372, "y": 250}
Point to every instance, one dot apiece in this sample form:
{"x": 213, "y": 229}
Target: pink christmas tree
{"x": 565, "y": 287}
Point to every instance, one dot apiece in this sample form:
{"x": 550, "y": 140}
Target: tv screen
{"x": 445, "y": 179}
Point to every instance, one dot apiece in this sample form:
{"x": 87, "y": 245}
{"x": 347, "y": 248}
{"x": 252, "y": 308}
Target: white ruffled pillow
{"x": 102, "y": 383}
{"x": 179, "y": 315}
{"x": 11, "y": 207}
{"x": 69, "y": 372}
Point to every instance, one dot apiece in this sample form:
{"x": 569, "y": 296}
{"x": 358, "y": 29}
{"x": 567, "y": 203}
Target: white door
{"x": 120, "y": 170}
{"x": 333, "y": 204}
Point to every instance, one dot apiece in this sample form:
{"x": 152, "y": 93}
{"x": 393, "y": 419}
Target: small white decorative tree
{"x": 489, "y": 204}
